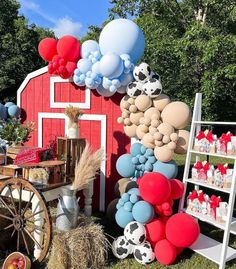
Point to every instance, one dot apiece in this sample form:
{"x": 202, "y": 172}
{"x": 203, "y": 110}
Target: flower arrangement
{"x": 73, "y": 113}
{"x": 87, "y": 168}
{"x": 15, "y": 132}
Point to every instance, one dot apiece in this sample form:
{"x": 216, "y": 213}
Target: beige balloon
{"x": 120, "y": 186}
{"x": 161, "y": 101}
{"x": 163, "y": 154}
{"x": 133, "y": 108}
{"x": 139, "y": 132}
{"x": 182, "y": 143}
{"x": 135, "y": 117}
{"x": 148, "y": 141}
{"x": 152, "y": 130}
{"x": 165, "y": 128}
{"x": 124, "y": 103}
{"x": 143, "y": 102}
{"x": 120, "y": 120}
{"x": 178, "y": 114}
{"x": 152, "y": 111}
{"x": 130, "y": 130}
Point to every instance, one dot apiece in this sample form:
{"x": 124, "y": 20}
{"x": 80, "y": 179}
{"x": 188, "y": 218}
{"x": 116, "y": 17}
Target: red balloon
{"x": 154, "y": 188}
{"x": 182, "y": 230}
{"x": 155, "y": 231}
{"x": 71, "y": 66}
{"x": 177, "y": 189}
{"x": 165, "y": 252}
{"x": 164, "y": 209}
{"x": 47, "y": 48}
{"x": 179, "y": 250}
{"x": 68, "y": 47}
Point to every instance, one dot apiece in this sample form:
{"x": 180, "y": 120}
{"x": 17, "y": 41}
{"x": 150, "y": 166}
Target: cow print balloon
{"x": 135, "y": 233}
{"x": 152, "y": 88}
{"x": 155, "y": 75}
{"x": 144, "y": 253}
{"x": 134, "y": 89}
{"x": 142, "y": 72}
{"x": 121, "y": 248}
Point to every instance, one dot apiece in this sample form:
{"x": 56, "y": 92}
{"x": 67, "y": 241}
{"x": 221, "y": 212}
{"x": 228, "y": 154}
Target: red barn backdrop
{"x": 44, "y": 97}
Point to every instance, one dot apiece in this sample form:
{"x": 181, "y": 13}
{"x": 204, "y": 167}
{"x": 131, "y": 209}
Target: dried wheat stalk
{"x": 87, "y": 167}
{"x": 73, "y": 113}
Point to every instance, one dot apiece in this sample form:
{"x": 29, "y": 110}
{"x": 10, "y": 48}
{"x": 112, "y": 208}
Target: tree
{"x": 18, "y": 48}
{"x": 192, "y": 44}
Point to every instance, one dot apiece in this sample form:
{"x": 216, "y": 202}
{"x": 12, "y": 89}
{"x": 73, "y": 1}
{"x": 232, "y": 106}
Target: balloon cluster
{"x": 107, "y": 66}
{"x": 146, "y": 82}
{"x": 133, "y": 242}
{"x": 9, "y": 110}
{"x": 145, "y": 214}
{"x": 130, "y": 207}
{"x": 158, "y": 122}
{"x": 142, "y": 160}
{"x": 61, "y": 54}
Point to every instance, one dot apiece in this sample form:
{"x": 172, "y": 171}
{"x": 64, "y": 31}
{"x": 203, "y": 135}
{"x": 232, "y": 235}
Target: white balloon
{"x": 144, "y": 253}
{"x": 121, "y": 248}
{"x": 135, "y": 233}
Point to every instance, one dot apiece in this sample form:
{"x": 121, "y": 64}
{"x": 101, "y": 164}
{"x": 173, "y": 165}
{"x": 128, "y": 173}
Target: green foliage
{"x": 192, "y": 45}
{"x": 14, "y": 132}
{"x": 18, "y": 48}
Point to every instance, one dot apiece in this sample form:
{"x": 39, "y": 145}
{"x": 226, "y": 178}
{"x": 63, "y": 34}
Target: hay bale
{"x": 84, "y": 247}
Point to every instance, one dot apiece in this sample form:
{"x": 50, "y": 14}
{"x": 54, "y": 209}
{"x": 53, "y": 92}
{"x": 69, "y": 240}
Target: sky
{"x": 66, "y": 16}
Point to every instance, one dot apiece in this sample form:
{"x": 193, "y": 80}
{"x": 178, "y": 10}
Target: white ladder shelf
{"x": 211, "y": 249}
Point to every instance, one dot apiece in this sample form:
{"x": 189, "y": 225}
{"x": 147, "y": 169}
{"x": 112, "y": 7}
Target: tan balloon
{"x": 120, "y": 186}
{"x": 178, "y": 114}
{"x": 130, "y": 130}
{"x": 135, "y": 117}
{"x": 182, "y": 143}
{"x": 171, "y": 145}
{"x": 174, "y": 137}
{"x": 148, "y": 141}
{"x": 152, "y": 130}
{"x": 158, "y": 136}
{"x": 163, "y": 154}
{"x": 120, "y": 120}
{"x": 147, "y": 121}
{"x": 158, "y": 143}
{"x": 127, "y": 121}
{"x": 124, "y": 103}
{"x": 152, "y": 111}
{"x": 165, "y": 128}
{"x": 133, "y": 108}
{"x": 125, "y": 114}
{"x": 166, "y": 139}
{"x": 144, "y": 128}
{"x": 143, "y": 102}
{"x": 131, "y": 101}
{"x": 161, "y": 101}
{"x": 139, "y": 131}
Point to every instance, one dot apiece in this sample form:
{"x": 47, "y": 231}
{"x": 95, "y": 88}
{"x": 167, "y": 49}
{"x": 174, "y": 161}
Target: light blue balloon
{"x": 118, "y": 206}
{"x": 88, "y": 47}
{"x": 152, "y": 159}
{"x": 134, "y": 198}
{"x": 104, "y": 92}
{"x": 134, "y": 191}
{"x": 106, "y": 83}
{"x": 123, "y": 217}
{"x": 122, "y": 36}
{"x": 124, "y": 166}
{"x": 111, "y": 65}
{"x": 125, "y": 79}
{"x": 96, "y": 68}
{"x": 148, "y": 167}
{"x": 143, "y": 167}
{"x": 82, "y": 77}
{"x": 112, "y": 88}
{"x": 142, "y": 159}
{"x": 13, "y": 111}
{"x": 143, "y": 212}
{"x": 116, "y": 83}
{"x": 3, "y": 112}
{"x": 8, "y": 104}
{"x": 121, "y": 202}
{"x": 135, "y": 160}
{"x": 169, "y": 169}
{"x": 84, "y": 65}
{"x": 128, "y": 206}
{"x": 135, "y": 149}
{"x": 143, "y": 149}
{"x": 149, "y": 152}
{"x": 125, "y": 197}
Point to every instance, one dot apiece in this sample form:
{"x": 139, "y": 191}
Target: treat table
{"x": 18, "y": 191}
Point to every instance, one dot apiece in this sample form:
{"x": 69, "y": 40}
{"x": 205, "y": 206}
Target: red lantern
{"x": 47, "y": 48}
{"x": 182, "y": 230}
{"x": 154, "y": 188}
{"x": 68, "y": 47}
{"x": 165, "y": 252}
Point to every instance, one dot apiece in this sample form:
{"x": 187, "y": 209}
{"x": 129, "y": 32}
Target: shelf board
{"x": 206, "y": 185}
{"x": 211, "y": 221}
{"x": 215, "y": 122}
{"x": 211, "y": 249}
{"x": 233, "y": 157}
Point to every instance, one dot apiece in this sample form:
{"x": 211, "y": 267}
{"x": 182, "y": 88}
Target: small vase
{"x": 73, "y": 130}
{"x": 67, "y": 210}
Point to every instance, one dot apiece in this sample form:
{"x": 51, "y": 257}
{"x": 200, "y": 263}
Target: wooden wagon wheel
{"x": 28, "y": 229}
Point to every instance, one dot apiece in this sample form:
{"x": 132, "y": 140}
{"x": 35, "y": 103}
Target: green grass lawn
{"x": 188, "y": 259}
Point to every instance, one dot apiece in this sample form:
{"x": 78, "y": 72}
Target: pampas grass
{"x": 87, "y": 167}
{"x": 73, "y": 113}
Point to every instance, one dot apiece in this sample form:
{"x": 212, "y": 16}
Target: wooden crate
{"x": 11, "y": 170}
{"x": 70, "y": 150}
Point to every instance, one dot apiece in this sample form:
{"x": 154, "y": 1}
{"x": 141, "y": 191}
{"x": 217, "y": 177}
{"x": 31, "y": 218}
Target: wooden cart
{"x": 25, "y": 221}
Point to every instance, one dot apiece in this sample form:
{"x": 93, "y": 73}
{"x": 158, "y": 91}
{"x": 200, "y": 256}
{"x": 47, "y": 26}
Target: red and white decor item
{"x": 205, "y": 142}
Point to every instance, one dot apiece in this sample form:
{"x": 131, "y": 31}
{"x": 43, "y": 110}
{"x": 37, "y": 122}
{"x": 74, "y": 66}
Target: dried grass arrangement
{"x": 84, "y": 247}
{"x": 87, "y": 168}
{"x": 73, "y": 113}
